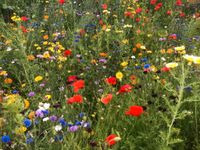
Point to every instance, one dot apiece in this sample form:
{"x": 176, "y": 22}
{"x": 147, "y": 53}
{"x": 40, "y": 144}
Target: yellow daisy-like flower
{"x": 180, "y": 48}
{"x": 172, "y": 65}
{"x": 191, "y": 58}
{"x": 124, "y": 64}
{"x": 47, "y": 97}
{"x": 46, "y": 54}
{"x": 119, "y": 75}
{"x": 38, "y": 78}
{"x": 20, "y": 130}
{"x": 3, "y": 73}
{"x": 26, "y": 104}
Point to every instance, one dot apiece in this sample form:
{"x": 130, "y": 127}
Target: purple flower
{"x": 31, "y": 94}
{"x": 73, "y": 128}
{"x": 42, "y": 85}
{"x": 53, "y": 118}
{"x": 102, "y": 60}
{"x": 39, "y": 113}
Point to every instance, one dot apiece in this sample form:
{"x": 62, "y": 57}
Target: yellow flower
{"x": 46, "y": 54}
{"x": 26, "y": 104}
{"x": 124, "y": 64}
{"x": 180, "y": 48}
{"x": 38, "y": 78}
{"x": 191, "y": 58}
{"x": 3, "y": 73}
{"x": 119, "y": 75}
{"x": 172, "y": 65}
{"x": 197, "y": 60}
{"x": 20, "y": 130}
{"x": 47, "y": 97}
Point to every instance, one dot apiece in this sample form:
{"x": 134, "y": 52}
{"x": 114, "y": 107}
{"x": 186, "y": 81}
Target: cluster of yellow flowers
{"x": 192, "y": 59}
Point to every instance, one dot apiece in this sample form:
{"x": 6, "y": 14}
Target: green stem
{"x": 178, "y": 105}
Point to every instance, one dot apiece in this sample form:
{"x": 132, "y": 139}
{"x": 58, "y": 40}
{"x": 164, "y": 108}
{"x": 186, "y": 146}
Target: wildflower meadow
{"x": 100, "y": 75}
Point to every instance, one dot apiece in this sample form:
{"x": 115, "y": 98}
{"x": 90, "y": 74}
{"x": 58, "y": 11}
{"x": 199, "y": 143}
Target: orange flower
{"x": 134, "y": 49}
{"x": 31, "y": 115}
{"x": 46, "y": 37}
{"x": 8, "y": 80}
{"x": 103, "y": 54}
{"x": 170, "y": 51}
{"x": 106, "y": 99}
{"x": 138, "y": 45}
{"x": 30, "y": 57}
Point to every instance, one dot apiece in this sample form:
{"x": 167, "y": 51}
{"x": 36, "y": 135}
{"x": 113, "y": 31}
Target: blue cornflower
{"x": 62, "y": 122}
{"x": 5, "y": 139}
{"x": 78, "y": 123}
{"x": 29, "y": 140}
{"x": 144, "y": 59}
{"x": 81, "y": 114}
{"x": 146, "y": 66}
{"x": 27, "y": 122}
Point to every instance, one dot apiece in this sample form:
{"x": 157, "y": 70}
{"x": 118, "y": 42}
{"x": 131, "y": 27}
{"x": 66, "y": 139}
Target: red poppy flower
{"x": 82, "y": 32}
{"x": 23, "y": 29}
{"x": 75, "y": 99}
{"x": 138, "y": 10}
{"x": 101, "y": 22}
{"x": 112, "y": 139}
{"x": 125, "y": 88}
{"x": 182, "y": 14}
{"x": 153, "y": 2}
{"x": 179, "y": 2}
{"x": 71, "y": 79}
{"x": 169, "y": 12}
{"x": 67, "y": 53}
{"x": 135, "y": 111}
{"x": 61, "y": 2}
{"x": 128, "y": 14}
{"x": 111, "y": 80}
{"x": 104, "y": 6}
{"x": 158, "y": 6}
{"x": 137, "y": 19}
{"x": 79, "y": 84}
{"x": 107, "y": 99}
{"x": 24, "y": 18}
{"x": 165, "y": 69}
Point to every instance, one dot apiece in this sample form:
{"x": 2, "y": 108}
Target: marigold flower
{"x": 8, "y": 80}
{"x": 30, "y": 57}
{"x": 31, "y": 115}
